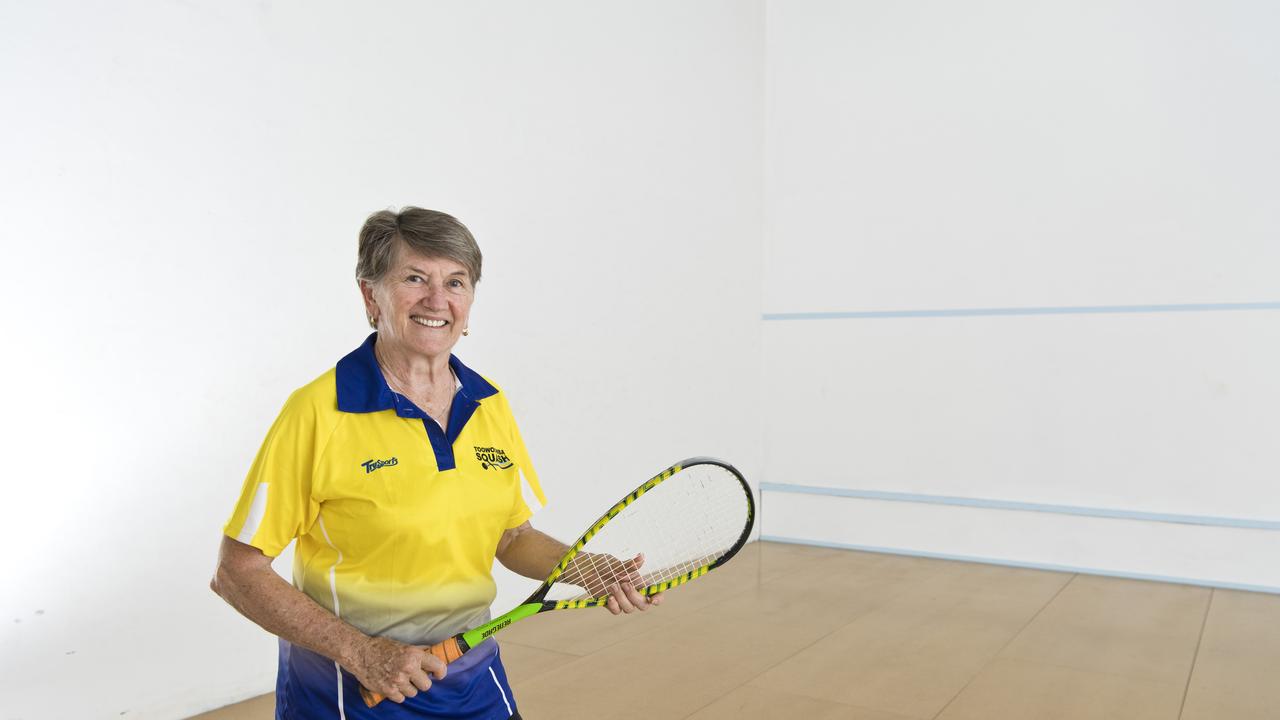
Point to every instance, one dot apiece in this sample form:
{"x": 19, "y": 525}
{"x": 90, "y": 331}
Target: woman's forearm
{"x": 530, "y": 552}
{"x": 244, "y": 579}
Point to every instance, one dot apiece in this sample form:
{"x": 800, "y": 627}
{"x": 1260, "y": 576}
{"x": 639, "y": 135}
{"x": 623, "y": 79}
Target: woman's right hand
{"x": 394, "y": 670}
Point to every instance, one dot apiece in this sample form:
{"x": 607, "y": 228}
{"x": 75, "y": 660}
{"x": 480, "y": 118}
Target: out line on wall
{"x": 1016, "y": 311}
{"x": 990, "y": 504}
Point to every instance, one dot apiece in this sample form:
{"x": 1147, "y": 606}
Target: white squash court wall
{"x": 1014, "y": 156}
{"x": 181, "y": 186}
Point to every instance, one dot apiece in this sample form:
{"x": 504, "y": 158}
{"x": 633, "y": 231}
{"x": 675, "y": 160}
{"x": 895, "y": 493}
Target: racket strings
{"x": 687, "y": 522}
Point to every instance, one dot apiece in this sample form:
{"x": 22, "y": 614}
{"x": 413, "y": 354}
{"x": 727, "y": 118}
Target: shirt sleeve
{"x": 276, "y": 503}
{"x": 530, "y": 498}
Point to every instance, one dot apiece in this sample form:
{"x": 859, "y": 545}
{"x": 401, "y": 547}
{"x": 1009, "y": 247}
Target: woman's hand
{"x": 394, "y": 670}
{"x": 534, "y": 554}
{"x": 620, "y": 579}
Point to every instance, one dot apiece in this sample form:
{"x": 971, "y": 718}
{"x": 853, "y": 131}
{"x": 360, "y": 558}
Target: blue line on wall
{"x": 1031, "y": 566}
{"x": 988, "y": 504}
{"x": 989, "y": 312}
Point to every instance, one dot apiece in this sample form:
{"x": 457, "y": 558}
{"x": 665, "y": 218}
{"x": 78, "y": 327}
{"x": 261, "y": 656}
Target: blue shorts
{"x": 310, "y": 686}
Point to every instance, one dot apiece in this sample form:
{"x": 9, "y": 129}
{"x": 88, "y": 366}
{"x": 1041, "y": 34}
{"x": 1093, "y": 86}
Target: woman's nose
{"x": 434, "y": 294}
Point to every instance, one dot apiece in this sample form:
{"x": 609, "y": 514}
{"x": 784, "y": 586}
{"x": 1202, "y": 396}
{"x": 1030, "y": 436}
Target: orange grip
{"x": 447, "y": 650}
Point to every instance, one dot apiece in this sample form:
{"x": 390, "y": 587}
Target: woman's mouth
{"x": 429, "y": 322}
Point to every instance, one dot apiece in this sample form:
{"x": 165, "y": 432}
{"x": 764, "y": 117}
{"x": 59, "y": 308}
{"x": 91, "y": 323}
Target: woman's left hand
{"x": 621, "y": 579}
{"x": 534, "y": 554}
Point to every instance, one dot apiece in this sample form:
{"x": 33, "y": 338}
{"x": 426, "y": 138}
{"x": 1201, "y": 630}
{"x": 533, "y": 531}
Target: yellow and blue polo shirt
{"x": 396, "y": 520}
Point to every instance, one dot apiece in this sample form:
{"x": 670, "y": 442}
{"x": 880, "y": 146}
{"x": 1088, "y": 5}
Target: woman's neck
{"x": 414, "y": 374}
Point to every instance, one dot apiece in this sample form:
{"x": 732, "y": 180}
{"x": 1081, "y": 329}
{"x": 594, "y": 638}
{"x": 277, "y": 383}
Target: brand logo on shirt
{"x": 491, "y": 457}
{"x": 371, "y": 465}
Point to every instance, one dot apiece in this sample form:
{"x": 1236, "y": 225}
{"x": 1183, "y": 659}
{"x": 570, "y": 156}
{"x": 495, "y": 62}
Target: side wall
{"x": 1020, "y": 286}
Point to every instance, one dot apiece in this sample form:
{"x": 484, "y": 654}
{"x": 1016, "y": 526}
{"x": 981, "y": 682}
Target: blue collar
{"x": 363, "y": 389}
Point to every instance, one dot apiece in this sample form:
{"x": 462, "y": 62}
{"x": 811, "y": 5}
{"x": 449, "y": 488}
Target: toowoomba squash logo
{"x": 492, "y": 457}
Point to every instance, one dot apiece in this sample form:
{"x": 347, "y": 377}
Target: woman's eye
{"x": 414, "y": 278}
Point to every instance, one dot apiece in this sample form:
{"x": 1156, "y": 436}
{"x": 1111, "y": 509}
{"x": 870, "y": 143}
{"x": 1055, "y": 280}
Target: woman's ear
{"x": 370, "y": 303}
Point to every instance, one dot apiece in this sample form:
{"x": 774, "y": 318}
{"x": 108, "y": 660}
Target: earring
{"x": 466, "y": 332}
{"x": 373, "y": 322}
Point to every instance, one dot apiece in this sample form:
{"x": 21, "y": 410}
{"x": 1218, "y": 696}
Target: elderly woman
{"x": 401, "y": 474}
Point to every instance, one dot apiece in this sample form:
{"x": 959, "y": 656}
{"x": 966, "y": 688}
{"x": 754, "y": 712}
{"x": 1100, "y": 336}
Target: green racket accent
{"x": 478, "y": 635}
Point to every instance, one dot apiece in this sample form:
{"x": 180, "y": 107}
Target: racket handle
{"x": 448, "y": 651}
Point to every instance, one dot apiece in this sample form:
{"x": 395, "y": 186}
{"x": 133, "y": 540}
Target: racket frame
{"x": 453, "y": 648}
{"x": 536, "y": 603}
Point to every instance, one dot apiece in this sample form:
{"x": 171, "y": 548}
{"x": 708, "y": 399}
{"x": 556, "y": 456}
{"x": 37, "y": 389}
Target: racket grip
{"x": 447, "y": 650}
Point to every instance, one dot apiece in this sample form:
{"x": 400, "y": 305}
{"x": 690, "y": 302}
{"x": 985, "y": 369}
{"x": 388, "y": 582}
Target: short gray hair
{"x": 428, "y": 232}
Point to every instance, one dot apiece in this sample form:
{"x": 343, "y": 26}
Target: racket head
{"x": 684, "y": 522}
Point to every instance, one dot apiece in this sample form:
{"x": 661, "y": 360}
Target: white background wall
{"x": 943, "y": 156}
{"x": 181, "y": 184}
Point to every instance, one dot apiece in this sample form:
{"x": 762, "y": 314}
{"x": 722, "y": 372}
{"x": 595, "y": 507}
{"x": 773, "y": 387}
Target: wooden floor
{"x": 790, "y": 632}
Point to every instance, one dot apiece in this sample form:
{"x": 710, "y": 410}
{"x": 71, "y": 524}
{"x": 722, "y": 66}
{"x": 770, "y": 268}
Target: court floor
{"x": 791, "y": 632}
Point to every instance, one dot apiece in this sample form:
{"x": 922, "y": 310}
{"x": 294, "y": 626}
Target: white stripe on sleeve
{"x": 526, "y": 491}
{"x": 257, "y": 511}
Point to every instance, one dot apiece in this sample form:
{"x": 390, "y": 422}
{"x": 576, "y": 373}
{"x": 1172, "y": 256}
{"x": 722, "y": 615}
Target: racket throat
{"x": 478, "y": 635}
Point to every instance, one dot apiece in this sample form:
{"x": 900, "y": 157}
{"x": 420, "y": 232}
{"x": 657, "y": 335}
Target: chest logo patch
{"x": 371, "y": 465}
{"x": 491, "y": 457}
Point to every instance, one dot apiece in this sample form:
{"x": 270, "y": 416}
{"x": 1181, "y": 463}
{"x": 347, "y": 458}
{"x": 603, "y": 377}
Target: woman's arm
{"x": 244, "y": 579}
{"x": 532, "y": 553}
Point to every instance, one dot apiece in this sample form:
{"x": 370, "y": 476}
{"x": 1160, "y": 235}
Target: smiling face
{"x": 421, "y": 305}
